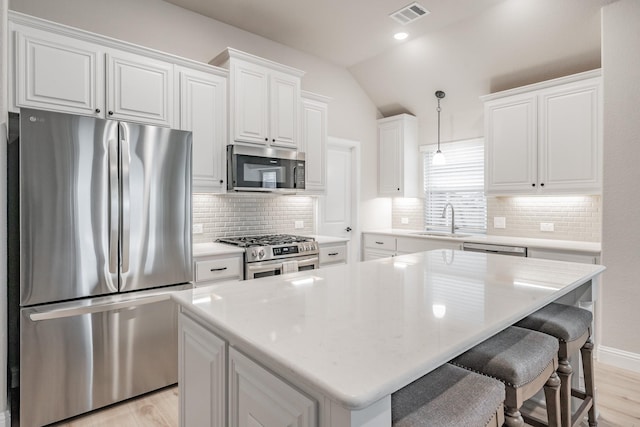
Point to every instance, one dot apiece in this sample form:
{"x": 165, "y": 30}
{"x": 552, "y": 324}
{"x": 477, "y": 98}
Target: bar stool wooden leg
{"x": 513, "y": 417}
{"x": 552, "y": 397}
{"x": 565, "y": 372}
{"x": 587, "y": 364}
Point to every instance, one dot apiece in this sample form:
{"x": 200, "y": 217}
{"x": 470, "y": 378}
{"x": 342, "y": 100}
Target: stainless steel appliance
{"x": 264, "y": 169}
{"x": 271, "y": 255}
{"x": 495, "y": 249}
{"x": 104, "y": 213}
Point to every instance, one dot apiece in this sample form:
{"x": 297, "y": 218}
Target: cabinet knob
{"x": 266, "y": 140}
{"x": 347, "y": 229}
{"x": 221, "y": 181}
{"x": 273, "y": 140}
{"x": 533, "y": 185}
{"x": 97, "y": 110}
{"x": 110, "y": 113}
{"x": 542, "y": 184}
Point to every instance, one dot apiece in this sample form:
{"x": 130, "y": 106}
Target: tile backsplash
{"x": 574, "y": 218}
{"x": 251, "y": 214}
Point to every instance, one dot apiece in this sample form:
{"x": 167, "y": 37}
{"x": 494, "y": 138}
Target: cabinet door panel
{"x": 139, "y": 89}
{"x": 59, "y": 73}
{"x": 202, "y": 376}
{"x": 259, "y": 398}
{"x": 285, "y": 98}
{"x": 250, "y": 113}
{"x": 569, "y": 140}
{"x": 314, "y": 143}
{"x": 390, "y": 152}
{"x": 511, "y": 146}
{"x": 203, "y": 112}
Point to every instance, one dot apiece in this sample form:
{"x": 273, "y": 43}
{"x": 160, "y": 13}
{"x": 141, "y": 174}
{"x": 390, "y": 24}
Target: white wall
{"x": 3, "y": 211}
{"x": 163, "y": 26}
{"x": 621, "y": 200}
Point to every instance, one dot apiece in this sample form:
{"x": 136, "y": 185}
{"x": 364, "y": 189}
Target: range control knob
{"x": 254, "y": 253}
{"x": 261, "y": 253}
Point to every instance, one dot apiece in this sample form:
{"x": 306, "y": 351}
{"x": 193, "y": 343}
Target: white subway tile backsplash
{"x": 248, "y": 214}
{"x": 575, "y": 218}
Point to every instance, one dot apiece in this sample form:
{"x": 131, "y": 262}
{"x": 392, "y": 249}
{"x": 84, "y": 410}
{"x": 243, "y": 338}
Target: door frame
{"x": 354, "y": 243}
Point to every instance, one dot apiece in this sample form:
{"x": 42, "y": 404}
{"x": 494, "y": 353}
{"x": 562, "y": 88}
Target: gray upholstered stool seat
{"x": 525, "y": 361}
{"x": 572, "y": 327}
{"x": 449, "y": 396}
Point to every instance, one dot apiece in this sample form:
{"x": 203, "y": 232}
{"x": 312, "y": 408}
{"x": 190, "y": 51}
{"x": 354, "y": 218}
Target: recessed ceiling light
{"x": 400, "y": 36}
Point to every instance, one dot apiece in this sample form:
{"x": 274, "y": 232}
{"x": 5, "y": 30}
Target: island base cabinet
{"x": 202, "y": 376}
{"x": 258, "y": 398}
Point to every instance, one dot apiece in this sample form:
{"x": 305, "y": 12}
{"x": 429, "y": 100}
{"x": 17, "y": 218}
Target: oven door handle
{"x": 308, "y": 261}
{"x": 264, "y": 267}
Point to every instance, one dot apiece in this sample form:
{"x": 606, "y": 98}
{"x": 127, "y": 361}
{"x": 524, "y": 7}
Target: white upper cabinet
{"x": 314, "y": 139}
{"x": 545, "y": 138}
{"x": 264, "y": 100}
{"x": 139, "y": 89}
{"x": 399, "y": 171}
{"x": 56, "y": 72}
{"x": 203, "y": 100}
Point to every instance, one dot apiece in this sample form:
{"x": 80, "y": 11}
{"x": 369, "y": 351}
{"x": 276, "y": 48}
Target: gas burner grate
{"x": 264, "y": 240}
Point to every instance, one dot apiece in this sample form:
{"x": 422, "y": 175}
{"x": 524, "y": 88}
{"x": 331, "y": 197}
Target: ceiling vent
{"x": 409, "y": 13}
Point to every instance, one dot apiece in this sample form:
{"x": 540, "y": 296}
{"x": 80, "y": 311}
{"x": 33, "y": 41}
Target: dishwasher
{"x": 495, "y": 249}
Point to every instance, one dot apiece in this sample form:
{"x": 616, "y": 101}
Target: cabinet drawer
{"x": 218, "y": 269}
{"x": 333, "y": 255}
{"x": 378, "y": 241}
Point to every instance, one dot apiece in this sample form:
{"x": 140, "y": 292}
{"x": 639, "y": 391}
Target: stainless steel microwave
{"x": 264, "y": 169}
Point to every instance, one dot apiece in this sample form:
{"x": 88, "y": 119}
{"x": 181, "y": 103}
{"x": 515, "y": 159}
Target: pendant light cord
{"x": 438, "y": 109}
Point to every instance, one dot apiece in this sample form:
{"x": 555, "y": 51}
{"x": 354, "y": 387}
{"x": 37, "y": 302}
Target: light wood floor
{"x": 618, "y": 400}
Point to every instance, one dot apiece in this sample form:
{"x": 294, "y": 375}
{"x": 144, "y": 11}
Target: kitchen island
{"x": 329, "y": 347}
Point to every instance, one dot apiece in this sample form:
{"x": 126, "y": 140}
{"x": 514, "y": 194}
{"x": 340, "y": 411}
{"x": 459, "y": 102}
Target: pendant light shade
{"x": 438, "y": 158}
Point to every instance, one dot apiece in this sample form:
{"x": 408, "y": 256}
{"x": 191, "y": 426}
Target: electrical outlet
{"x": 546, "y": 226}
{"x": 499, "y": 222}
{"x": 299, "y": 224}
{"x": 197, "y": 228}
{"x": 404, "y": 220}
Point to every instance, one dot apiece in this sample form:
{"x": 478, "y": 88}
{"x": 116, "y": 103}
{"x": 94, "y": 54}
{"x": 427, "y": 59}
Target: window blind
{"x": 460, "y": 182}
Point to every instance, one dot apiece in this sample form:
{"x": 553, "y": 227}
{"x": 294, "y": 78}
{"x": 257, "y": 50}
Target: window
{"x": 459, "y": 182}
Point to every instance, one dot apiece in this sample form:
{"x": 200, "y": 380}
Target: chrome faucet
{"x": 453, "y": 216}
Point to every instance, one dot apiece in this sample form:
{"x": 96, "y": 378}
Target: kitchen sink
{"x": 439, "y": 234}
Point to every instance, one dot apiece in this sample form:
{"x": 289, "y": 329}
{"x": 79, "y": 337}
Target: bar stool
{"x": 525, "y": 361}
{"x": 572, "y": 327}
{"x": 449, "y": 397}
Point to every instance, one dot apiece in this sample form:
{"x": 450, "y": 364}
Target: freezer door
{"x": 76, "y": 357}
{"x": 156, "y": 206}
{"x": 65, "y": 206}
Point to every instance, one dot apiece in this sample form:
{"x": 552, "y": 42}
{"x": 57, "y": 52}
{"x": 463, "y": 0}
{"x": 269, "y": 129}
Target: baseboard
{"x": 619, "y": 358}
{"x": 5, "y": 419}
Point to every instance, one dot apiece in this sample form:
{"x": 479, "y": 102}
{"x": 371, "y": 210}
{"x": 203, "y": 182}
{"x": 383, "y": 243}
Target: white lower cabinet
{"x": 259, "y": 398}
{"x": 378, "y": 246}
{"x": 557, "y": 255}
{"x": 218, "y": 268}
{"x": 333, "y": 254}
{"x": 234, "y": 392}
{"x": 409, "y": 245}
{"x": 202, "y": 373}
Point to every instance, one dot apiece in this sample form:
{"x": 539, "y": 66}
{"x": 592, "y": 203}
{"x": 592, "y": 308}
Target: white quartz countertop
{"x": 562, "y": 245}
{"x": 213, "y": 248}
{"x": 361, "y": 331}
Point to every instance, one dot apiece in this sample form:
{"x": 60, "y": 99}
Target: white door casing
{"x": 338, "y": 208}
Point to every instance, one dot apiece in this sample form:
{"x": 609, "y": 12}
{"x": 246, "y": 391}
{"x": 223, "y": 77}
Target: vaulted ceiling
{"x": 467, "y": 48}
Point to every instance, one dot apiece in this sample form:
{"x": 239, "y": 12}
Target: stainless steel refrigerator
{"x": 104, "y": 238}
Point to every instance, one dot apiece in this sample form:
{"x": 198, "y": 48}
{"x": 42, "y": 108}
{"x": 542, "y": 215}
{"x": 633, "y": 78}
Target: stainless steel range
{"x": 274, "y": 254}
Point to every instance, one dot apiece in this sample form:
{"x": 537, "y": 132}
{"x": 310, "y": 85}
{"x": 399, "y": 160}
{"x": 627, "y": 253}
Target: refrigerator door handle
{"x": 98, "y": 308}
{"x": 126, "y": 207}
{"x": 114, "y": 206}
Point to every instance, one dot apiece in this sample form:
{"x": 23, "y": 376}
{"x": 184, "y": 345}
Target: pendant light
{"x": 438, "y": 158}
